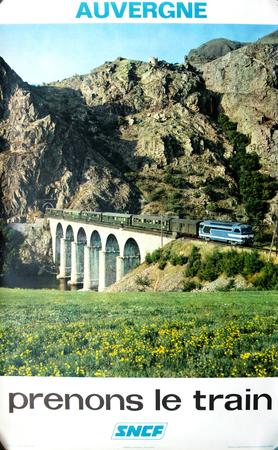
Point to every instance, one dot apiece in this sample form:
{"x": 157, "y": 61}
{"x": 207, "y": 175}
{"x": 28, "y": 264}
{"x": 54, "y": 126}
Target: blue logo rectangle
{"x": 139, "y": 431}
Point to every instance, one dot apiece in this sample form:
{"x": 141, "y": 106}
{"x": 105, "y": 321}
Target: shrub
{"x": 148, "y": 258}
{"x": 219, "y": 182}
{"x": 268, "y": 278}
{"x": 131, "y": 176}
{"x": 154, "y": 257}
{"x": 142, "y": 281}
{"x": 190, "y": 285}
{"x": 245, "y": 263}
{"x": 166, "y": 254}
{"x": 194, "y": 263}
{"x": 178, "y": 260}
{"x": 162, "y": 263}
{"x": 212, "y": 267}
{"x": 176, "y": 180}
{"x": 233, "y": 263}
{"x": 252, "y": 263}
{"x": 156, "y": 194}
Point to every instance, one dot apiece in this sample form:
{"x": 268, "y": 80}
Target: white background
{"x": 188, "y": 429}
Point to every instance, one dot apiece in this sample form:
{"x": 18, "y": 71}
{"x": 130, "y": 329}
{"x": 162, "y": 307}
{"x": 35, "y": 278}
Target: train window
{"x": 236, "y": 230}
{"x": 247, "y": 230}
{"x": 221, "y": 229}
{"x": 206, "y": 229}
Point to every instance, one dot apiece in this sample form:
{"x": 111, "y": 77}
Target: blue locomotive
{"x": 230, "y": 232}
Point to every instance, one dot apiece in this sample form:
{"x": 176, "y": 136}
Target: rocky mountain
{"x": 214, "y": 49}
{"x": 136, "y": 136}
{"x": 271, "y": 38}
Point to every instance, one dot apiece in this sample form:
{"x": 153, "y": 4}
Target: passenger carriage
{"x": 91, "y": 216}
{"x": 152, "y": 222}
{"x": 116, "y": 219}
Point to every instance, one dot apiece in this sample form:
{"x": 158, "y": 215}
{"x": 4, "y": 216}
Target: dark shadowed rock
{"x": 270, "y": 38}
{"x": 211, "y": 50}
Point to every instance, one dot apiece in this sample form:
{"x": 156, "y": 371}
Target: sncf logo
{"x": 151, "y": 431}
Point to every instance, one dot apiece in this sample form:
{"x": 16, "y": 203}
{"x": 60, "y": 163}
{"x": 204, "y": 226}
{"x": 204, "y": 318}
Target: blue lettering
{"x": 147, "y": 431}
{"x": 139, "y": 431}
{"x": 170, "y": 13}
{"x": 158, "y": 429}
{"x": 119, "y": 13}
{"x": 134, "y": 7}
{"x": 200, "y": 10}
{"x": 134, "y": 431}
{"x": 84, "y": 10}
{"x": 105, "y": 13}
{"x": 183, "y": 11}
{"x": 143, "y": 9}
{"x": 149, "y": 7}
{"x": 121, "y": 431}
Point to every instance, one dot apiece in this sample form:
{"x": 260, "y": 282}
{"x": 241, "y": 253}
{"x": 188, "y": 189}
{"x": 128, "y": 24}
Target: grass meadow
{"x": 55, "y": 333}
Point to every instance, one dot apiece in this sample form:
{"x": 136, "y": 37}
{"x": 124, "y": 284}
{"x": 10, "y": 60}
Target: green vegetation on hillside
{"x": 262, "y": 274}
{"x": 210, "y": 265}
{"x": 164, "y": 255}
{"x": 47, "y": 333}
{"x": 230, "y": 262}
{"x": 255, "y": 188}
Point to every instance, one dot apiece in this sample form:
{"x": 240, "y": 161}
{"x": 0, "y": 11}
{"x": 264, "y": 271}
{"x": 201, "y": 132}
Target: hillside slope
{"x": 170, "y": 269}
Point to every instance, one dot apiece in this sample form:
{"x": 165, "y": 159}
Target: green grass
{"x": 58, "y": 333}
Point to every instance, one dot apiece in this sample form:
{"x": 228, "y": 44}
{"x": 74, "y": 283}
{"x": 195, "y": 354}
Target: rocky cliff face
{"x": 247, "y": 80}
{"x": 52, "y": 148}
{"x": 135, "y": 136}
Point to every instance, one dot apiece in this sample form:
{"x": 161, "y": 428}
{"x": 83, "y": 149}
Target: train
{"x": 227, "y": 232}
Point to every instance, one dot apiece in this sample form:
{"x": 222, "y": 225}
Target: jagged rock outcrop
{"x": 136, "y": 136}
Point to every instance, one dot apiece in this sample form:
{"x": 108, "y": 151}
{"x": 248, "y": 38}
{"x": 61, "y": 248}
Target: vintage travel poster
{"x": 139, "y": 224}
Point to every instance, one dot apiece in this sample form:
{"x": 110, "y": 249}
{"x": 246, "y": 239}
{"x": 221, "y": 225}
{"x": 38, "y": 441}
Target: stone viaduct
{"x": 97, "y": 255}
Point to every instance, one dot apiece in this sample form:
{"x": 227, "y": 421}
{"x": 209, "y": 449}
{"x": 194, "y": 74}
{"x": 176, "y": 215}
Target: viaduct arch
{"x": 98, "y": 255}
